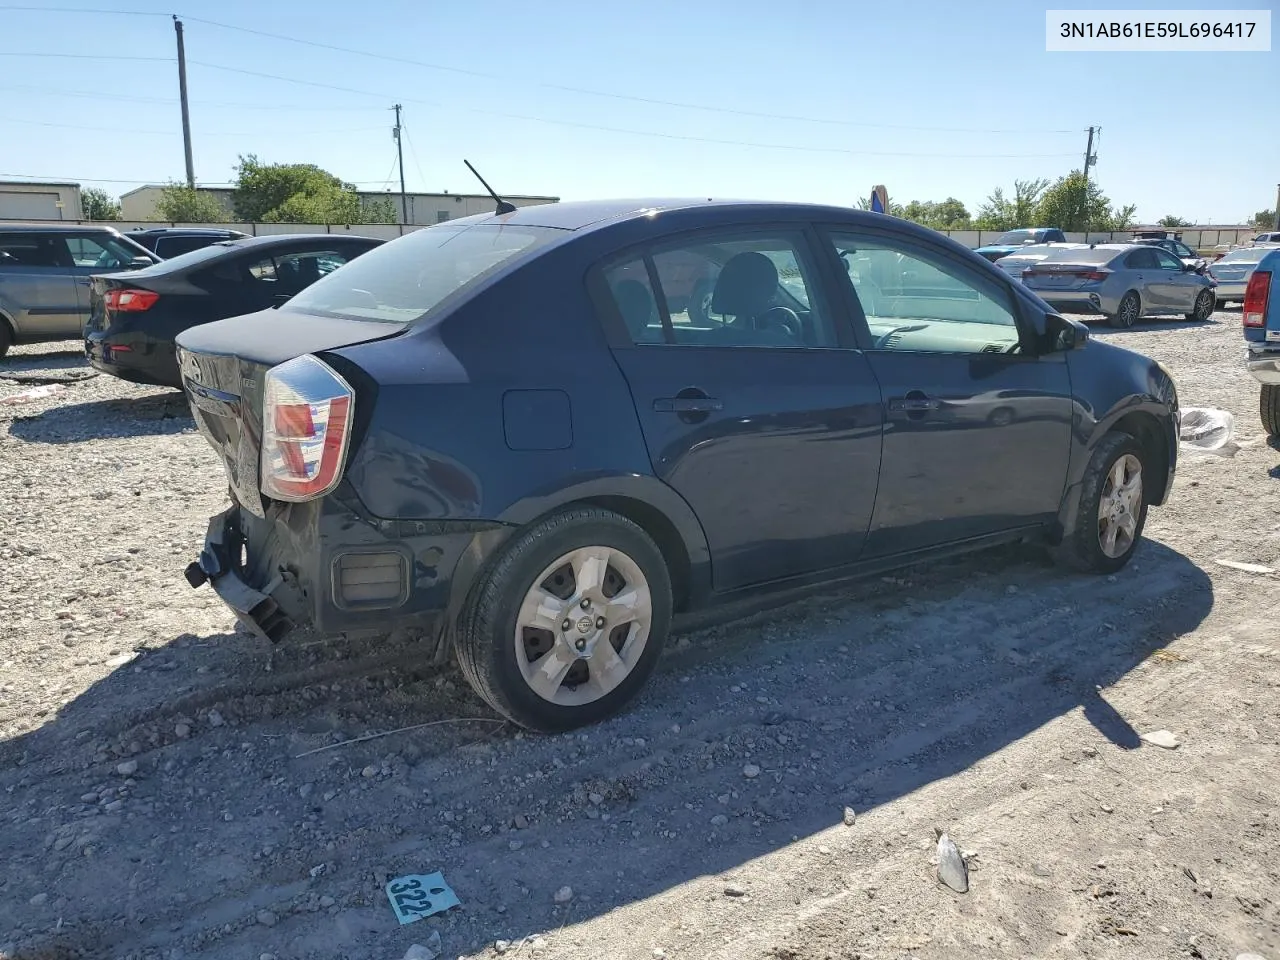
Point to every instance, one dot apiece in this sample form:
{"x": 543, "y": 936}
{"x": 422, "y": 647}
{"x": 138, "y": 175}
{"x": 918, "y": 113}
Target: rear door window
{"x": 1144, "y": 259}
{"x": 19, "y": 250}
{"x": 727, "y": 290}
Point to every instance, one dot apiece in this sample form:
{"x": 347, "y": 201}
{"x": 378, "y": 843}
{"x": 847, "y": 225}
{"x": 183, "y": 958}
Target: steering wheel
{"x": 781, "y": 318}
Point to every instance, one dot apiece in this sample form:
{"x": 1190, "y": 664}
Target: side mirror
{"x": 137, "y": 263}
{"x": 1065, "y": 333}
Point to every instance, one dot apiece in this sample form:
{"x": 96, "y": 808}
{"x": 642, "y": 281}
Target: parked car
{"x": 1261, "y": 319}
{"x": 134, "y": 316}
{"x": 1015, "y": 263}
{"x": 44, "y": 277}
{"x": 1232, "y": 271}
{"x": 1122, "y": 281}
{"x": 1013, "y": 240}
{"x": 1265, "y": 238}
{"x": 492, "y": 429}
{"x": 168, "y": 242}
{"x": 1179, "y": 250}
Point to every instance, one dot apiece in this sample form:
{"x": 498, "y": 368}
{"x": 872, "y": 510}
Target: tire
{"x": 1083, "y": 548}
{"x": 499, "y": 656}
{"x": 1128, "y": 312}
{"x": 6, "y": 336}
{"x": 1269, "y": 408}
{"x": 1205, "y": 304}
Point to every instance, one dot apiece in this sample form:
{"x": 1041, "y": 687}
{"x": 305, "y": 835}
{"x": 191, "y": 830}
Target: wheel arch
{"x": 1145, "y": 427}
{"x": 650, "y": 504}
{"x": 7, "y": 322}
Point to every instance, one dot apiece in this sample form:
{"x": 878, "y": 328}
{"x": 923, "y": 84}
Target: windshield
{"x": 1015, "y": 236}
{"x": 400, "y": 281}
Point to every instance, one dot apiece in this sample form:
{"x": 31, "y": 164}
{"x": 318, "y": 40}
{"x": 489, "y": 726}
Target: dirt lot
{"x": 155, "y": 803}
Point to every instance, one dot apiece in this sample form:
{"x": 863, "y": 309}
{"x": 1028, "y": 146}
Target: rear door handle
{"x": 686, "y": 405}
{"x": 913, "y": 404}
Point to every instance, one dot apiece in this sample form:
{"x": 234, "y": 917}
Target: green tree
{"x": 179, "y": 203}
{"x": 948, "y": 214}
{"x": 99, "y": 205}
{"x": 299, "y": 193}
{"x": 1072, "y": 205}
{"x": 1172, "y": 221}
{"x": 1001, "y": 213}
{"x": 378, "y": 210}
{"x": 1264, "y": 220}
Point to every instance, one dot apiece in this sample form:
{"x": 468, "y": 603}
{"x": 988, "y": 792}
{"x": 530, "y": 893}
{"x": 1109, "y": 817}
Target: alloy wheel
{"x": 1204, "y": 305}
{"x": 1129, "y": 309}
{"x": 1120, "y": 506}
{"x": 583, "y": 625}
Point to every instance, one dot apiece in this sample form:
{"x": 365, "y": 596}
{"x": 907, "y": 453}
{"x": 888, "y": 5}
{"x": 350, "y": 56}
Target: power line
{"x": 414, "y": 153}
{"x": 33, "y": 90}
{"x": 684, "y": 105}
{"x": 641, "y": 133}
{"x": 171, "y": 133}
{"x": 89, "y": 56}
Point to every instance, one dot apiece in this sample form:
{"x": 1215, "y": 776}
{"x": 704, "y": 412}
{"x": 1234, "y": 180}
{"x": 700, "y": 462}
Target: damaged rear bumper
{"x": 329, "y": 565}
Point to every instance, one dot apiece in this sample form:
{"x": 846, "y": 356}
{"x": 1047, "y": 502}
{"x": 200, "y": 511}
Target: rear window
{"x": 1246, "y": 255}
{"x": 400, "y": 281}
{"x": 1092, "y": 255}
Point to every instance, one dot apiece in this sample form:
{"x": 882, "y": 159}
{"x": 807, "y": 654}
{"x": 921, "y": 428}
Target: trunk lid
{"x": 1062, "y": 275}
{"x": 224, "y": 366}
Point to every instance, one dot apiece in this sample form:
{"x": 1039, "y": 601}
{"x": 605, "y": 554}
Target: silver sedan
{"x": 1123, "y": 281}
{"x": 1233, "y": 270}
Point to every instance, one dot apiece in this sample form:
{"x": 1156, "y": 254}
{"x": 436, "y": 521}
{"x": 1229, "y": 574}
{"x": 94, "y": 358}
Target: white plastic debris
{"x": 1246, "y": 567}
{"x": 1161, "y": 738}
{"x": 34, "y": 393}
{"x": 1206, "y": 428}
{"x": 951, "y": 866}
{"x": 429, "y": 952}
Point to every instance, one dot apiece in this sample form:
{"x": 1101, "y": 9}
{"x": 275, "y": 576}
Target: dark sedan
{"x": 134, "y": 316}
{"x": 504, "y": 429}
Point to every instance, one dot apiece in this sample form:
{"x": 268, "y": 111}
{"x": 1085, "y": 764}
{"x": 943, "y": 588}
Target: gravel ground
{"x": 157, "y": 803}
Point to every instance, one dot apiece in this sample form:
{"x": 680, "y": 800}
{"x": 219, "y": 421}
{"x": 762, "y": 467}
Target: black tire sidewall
{"x": 1086, "y": 545}
{"x": 1194, "y": 315}
{"x": 504, "y": 589}
{"x": 1269, "y": 408}
{"x": 6, "y": 336}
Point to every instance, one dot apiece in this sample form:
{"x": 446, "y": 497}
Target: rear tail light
{"x": 130, "y": 300}
{"x": 306, "y": 423}
{"x": 1093, "y": 274}
{"x": 1255, "y": 299}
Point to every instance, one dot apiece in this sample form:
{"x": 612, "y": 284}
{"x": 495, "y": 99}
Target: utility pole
{"x": 1277, "y": 218}
{"x": 404, "y": 200}
{"x": 1089, "y": 160}
{"x": 182, "y": 93}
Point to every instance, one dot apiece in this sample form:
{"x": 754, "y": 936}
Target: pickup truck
{"x": 1014, "y": 240}
{"x": 1261, "y": 318}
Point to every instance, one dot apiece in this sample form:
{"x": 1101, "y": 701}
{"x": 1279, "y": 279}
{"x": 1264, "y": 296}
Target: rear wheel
{"x": 6, "y": 336}
{"x": 1112, "y": 510}
{"x": 565, "y": 628}
{"x": 1204, "y": 307}
{"x": 1127, "y": 313}
{"x": 1269, "y": 408}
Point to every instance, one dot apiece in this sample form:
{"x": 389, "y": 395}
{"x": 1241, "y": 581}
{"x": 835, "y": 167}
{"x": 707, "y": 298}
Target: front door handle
{"x": 913, "y": 403}
{"x": 687, "y": 405}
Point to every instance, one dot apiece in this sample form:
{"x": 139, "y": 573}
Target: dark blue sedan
{"x": 543, "y": 434}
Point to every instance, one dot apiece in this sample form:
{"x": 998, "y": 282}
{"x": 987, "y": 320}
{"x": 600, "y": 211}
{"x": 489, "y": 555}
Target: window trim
{"x": 1030, "y": 349}
{"x": 798, "y": 232}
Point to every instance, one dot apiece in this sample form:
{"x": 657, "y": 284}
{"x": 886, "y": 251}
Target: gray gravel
{"x": 155, "y": 804}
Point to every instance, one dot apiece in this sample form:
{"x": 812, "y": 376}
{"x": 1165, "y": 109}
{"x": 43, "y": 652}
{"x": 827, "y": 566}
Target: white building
{"x": 39, "y": 200}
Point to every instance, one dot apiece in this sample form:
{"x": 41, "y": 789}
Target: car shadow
{"x": 244, "y": 766}
{"x": 152, "y": 414}
{"x": 1098, "y": 325}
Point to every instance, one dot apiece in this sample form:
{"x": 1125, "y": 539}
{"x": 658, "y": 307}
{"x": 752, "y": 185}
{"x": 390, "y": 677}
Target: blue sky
{"x": 933, "y": 99}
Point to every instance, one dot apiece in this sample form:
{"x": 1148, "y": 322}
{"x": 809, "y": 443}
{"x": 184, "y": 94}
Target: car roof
{"x": 55, "y": 228}
{"x": 278, "y": 239}
{"x": 192, "y": 231}
{"x": 582, "y": 215}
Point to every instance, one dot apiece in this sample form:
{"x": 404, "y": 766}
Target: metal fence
{"x": 1198, "y": 239}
